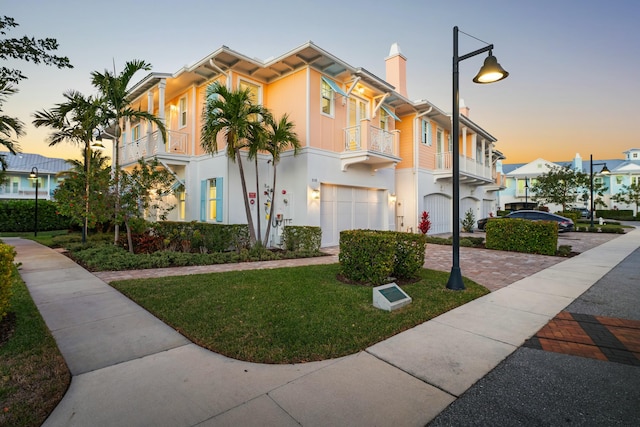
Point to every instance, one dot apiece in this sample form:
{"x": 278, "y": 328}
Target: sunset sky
{"x": 574, "y": 65}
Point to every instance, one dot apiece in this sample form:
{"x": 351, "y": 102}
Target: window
{"x": 635, "y": 180}
{"x": 182, "y": 198}
{"x": 327, "y": 99}
{"x": 135, "y": 133}
{"x": 182, "y": 112}
{"x": 479, "y": 152}
{"x": 619, "y": 179}
{"x": 358, "y": 111}
{"x": 634, "y": 155}
{"x": 254, "y": 90}
{"x": 598, "y": 180}
{"x": 384, "y": 119}
{"x": 211, "y": 200}
{"x": 40, "y": 181}
{"x": 426, "y": 133}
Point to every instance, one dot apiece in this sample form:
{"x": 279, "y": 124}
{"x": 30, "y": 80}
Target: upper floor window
{"x": 426, "y": 132}
{"x": 358, "y": 111}
{"x": 255, "y": 92}
{"x": 182, "y": 112}
{"x": 327, "y": 99}
{"x": 384, "y": 119}
{"x": 634, "y": 155}
{"x": 135, "y": 133}
{"x": 328, "y": 89}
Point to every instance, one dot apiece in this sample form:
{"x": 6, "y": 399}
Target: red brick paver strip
{"x": 596, "y": 337}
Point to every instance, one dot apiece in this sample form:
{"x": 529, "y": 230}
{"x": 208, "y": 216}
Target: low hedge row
{"x": 18, "y": 216}
{"x": 201, "y": 236}
{"x": 7, "y": 255}
{"x": 521, "y": 235}
{"x": 371, "y": 257}
{"x": 302, "y": 238}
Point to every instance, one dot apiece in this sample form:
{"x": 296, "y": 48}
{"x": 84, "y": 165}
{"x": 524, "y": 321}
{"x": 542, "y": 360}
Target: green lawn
{"x": 33, "y": 374}
{"x": 288, "y": 315}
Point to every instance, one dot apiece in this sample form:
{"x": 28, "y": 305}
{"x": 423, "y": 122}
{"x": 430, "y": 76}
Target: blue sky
{"x": 573, "y": 64}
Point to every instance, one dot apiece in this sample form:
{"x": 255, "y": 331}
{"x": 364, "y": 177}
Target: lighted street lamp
{"x": 490, "y": 72}
{"x": 34, "y": 175}
{"x": 526, "y": 192}
{"x": 604, "y": 171}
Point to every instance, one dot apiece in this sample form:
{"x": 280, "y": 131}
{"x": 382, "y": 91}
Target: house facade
{"x": 520, "y": 177}
{"x": 371, "y": 158}
{"x": 17, "y": 183}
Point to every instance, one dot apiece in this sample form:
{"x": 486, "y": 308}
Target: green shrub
{"x": 7, "y": 255}
{"x": 201, "y": 236}
{"x": 572, "y": 215}
{"x": 19, "y": 216}
{"x": 302, "y": 238}
{"x": 367, "y": 256}
{"x": 410, "y": 251}
{"x": 564, "y": 250}
{"x": 521, "y": 235}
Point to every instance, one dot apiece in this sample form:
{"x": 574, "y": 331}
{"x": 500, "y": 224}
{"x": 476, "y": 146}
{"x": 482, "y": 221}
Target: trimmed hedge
{"x": 371, "y": 257}
{"x": 302, "y": 238}
{"x": 572, "y": 215}
{"x": 201, "y": 236}
{"x": 7, "y": 255}
{"x": 18, "y": 216}
{"x": 521, "y": 235}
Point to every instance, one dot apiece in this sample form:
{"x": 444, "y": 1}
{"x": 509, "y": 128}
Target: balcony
{"x": 471, "y": 172}
{"x": 152, "y": 145}
{"x": 371, "y": 146}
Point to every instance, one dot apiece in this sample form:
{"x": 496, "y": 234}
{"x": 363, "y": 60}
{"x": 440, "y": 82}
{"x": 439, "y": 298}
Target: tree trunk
{"x": 129, "y": 238}
{"x": 245, "y": 195}
{"x": 273, "y": 203}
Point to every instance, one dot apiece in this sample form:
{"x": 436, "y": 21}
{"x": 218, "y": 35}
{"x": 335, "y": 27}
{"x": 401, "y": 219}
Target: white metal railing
{"x": 467, "y": 165}
{"x": 152, "y": 144}
{"x": 377, "y": 140}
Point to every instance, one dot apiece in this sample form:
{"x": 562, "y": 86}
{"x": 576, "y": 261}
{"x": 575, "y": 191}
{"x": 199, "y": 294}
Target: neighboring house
{"x": 17, "y": 183}
{"x": 371, "y": 158}
{"x": 622, "y": 172}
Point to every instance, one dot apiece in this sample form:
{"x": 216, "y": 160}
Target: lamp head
{"x": 605, "y": 170}
{"x": 34, "y": 172}
{"x": 97, "y": 145}
{"x": 491, "y": 71}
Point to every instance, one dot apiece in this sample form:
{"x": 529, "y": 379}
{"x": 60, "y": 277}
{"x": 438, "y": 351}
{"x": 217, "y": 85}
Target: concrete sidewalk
{"x": 131, "y": 369}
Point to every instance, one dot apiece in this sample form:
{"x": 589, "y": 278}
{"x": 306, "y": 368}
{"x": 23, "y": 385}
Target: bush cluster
{"x": 572, "y": 215}
{"x": 200, "y": 237}
{"x": 372, "y": 257}
{"x": 7, "y": 255}
{"x": 302, "y": 238}
{"x": 18, "y": 216}
{"x": 521, "y": 235}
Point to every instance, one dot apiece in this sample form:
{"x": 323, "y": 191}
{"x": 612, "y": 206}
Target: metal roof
{"x": 24, "y": 162}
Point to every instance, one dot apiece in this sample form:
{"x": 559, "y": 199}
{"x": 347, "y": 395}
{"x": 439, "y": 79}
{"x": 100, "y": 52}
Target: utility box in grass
{"x": 390, "y": 297}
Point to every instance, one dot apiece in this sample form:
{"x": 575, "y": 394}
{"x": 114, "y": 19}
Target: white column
{"x": 161, "y": 89}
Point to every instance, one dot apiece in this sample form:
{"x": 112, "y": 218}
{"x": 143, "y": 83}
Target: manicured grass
{"x": 43, "y": 237}
{"x": 33, "y": 374}
{"x": 288, "y": 315}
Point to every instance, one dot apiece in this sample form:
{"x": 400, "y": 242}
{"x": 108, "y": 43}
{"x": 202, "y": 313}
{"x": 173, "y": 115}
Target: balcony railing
{"x": 152, "y": 144}
{"x": 370, "y": 139}
{"x": 467, "y": 165}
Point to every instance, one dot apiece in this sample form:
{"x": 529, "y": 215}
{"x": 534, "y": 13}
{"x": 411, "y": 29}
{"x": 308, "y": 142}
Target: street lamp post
{"x": 604, "y": 171}
{"x": 490, "y": 72}
{"x": 526, "y": 192}
{"x": 34, "y": 175}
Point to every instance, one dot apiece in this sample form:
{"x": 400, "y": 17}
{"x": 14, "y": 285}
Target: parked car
{"x": 564, "y": 224}
{"x": 584, "y": 212}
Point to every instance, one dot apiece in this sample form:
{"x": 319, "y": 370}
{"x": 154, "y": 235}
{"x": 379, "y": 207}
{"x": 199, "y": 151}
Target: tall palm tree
{"x": 75, "y": 121}
{"x": 232, "y": 114}
{"x": 114, "y": 89}
{"x": 280, "y": 137}
{"x": 9, "y": 126}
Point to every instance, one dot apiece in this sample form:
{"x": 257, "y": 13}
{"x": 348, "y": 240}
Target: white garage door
{"x": 439, "y": 208}
{"x": 466, "y": 204}
{"x": 349, "y": 208}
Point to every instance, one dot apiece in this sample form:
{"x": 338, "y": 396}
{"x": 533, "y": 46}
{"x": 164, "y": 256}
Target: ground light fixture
{"x": 34, "y": 175}
{"x": 604, "y": 171}
{"x": 490, "y": 72}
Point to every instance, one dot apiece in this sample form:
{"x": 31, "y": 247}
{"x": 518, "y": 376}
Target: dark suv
{"x": 564, "y": 224}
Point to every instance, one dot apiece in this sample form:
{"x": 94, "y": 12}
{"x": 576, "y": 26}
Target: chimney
{"x": 464, "y": 110}
{"x": 396, "y": 64}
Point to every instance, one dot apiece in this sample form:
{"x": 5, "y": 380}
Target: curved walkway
{"x": 131, "y": 369}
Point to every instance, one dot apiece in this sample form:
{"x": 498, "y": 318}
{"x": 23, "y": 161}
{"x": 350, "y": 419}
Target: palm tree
{"x": 280, "y": 137}
{"x": 75, "y": 121}
{"x": 232, "y": 114}
{"x": 114, "y": 89}
{"x": 8, "y": 125}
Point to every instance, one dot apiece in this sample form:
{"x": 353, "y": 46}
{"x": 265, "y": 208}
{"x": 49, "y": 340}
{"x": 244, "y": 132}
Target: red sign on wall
{"x": 252, "y": 195}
